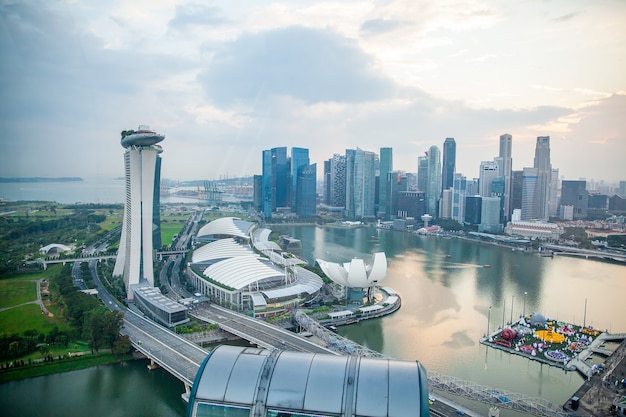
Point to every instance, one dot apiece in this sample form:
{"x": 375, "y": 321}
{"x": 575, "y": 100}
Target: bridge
{"x": 587, "y": 253}
{"x": 160, "y": 254}
{"x": 46, "y": 262}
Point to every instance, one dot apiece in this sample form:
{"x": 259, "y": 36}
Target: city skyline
{"x": 224, "y": 83}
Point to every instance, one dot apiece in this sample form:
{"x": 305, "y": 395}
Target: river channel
{"x": 446, "y": 298}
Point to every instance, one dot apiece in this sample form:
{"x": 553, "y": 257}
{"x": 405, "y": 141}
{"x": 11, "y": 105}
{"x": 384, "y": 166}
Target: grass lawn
{"x": 48, "y": 273}
{"x": 20, "y": 319}
{"x": 17, "y": 291}
{"x": 168, "y": 230}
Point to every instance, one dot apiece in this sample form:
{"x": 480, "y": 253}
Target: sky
{"x": 225, "y": 80}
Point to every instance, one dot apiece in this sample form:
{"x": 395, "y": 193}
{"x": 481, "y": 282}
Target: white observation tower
{"x": 141, "y": 231}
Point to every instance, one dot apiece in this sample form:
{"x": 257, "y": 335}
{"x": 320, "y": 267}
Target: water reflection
{"x": 446, "y": 293}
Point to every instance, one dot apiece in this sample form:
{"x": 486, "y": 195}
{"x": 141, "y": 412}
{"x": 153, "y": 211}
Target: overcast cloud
{"x": 224, "y": 81}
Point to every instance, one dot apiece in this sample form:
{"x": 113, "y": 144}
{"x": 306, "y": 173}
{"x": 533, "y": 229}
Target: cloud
{"x": 378, "y": 26}
{"x": 307, "y": 64}
{"x": 197, "y": 14}
{"x": 565, "y": 17}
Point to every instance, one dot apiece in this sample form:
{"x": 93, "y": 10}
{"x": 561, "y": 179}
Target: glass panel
{"x": 276, "y": 413}
{"x": 220, "y": 410}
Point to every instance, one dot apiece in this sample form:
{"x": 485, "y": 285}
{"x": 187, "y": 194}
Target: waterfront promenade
{"x": 598, "y": 393}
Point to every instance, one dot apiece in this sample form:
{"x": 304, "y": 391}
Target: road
{"x": 178, "y": 356}
{"x": 256, "y": 331}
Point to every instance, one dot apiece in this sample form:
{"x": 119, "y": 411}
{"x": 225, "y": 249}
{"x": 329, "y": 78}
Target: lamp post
{"x": 512, "y": 303}
{"x": 488, "y": 320}
{"x": 525, "y": 294}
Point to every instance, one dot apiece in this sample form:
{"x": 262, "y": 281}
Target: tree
{"x": 121, "y": 346}
{"x": 94, "y": 328}
{"x": 113, "y": 321}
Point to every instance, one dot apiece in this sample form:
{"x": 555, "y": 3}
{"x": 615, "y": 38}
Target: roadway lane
{"x": 257, "y": 331}
{"x": 177, "y": 355}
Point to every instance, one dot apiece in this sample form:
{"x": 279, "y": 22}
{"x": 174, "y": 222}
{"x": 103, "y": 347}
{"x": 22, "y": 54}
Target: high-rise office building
{"x": 544, "y": 171}
{"x": 506, "y": 169}
{"x": 574, "y": 194}
{"x": 141, "y": 232}
{"x": 622, "y": 189}
{"x": 517, "y": 181}
{"x": 433, "y": 187}
{"x": 490, "y": 215}
{"x": 386, "y": 166}
{"x": 306, "y": 196}
{"x": 459, "y": 191}
{"x": 327, "y": 177}
{"x": 338, "y": 181}
{"x": 554, "y": 193}
{"x": 489, "y": 171}
{"x": 530, "y": 194}
{"x": 473, "y": 207}
{"x": 397, "y": 182}
{"x": 422, "y": 172}
{"x": 275, "y": 180}
{"x": 360, "y": 184}
{"x": 449, "y": 163}
{"x": 299, "y": 159}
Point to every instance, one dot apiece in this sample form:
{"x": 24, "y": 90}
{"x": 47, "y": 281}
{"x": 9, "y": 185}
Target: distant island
{"x": 40, "y": 179}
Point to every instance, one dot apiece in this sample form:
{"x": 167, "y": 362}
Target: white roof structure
{"x": 226, "y": 226}
{"x": 356, "y": 274}
{"x": 220, "y": 249}
{"x": 241, "y": 271}
{"x": 308, "y": 282}
{"x": 54, "y": 247}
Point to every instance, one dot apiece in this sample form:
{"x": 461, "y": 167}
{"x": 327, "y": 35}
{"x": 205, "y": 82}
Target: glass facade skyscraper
{"x": 275, "y": 180}
{"x": 299, "y": 159}
{"x": 386, "y": 166}
{"x": 433, "y": 186}
{"x": 306, "y": 200}
{"x": 544, "y": 171}
{"x": 360, "y": 184}
{"x": 449, "y": 163}
{"x": 506, "y": 167}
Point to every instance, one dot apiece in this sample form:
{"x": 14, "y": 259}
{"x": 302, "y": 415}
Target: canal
{"x": 446, "y": 298}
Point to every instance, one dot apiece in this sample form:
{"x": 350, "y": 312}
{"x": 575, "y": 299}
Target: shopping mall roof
{"x": 276, "y": 382}
{"x": 241, "y": 271}
{"x": 220, "y": 249}
{"x": 226, "y": 226}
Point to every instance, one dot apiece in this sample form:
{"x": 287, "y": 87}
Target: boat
{"x": 486, "y": 266}
{"x": 546, "y": 252}
{"x": 448, "y": 256}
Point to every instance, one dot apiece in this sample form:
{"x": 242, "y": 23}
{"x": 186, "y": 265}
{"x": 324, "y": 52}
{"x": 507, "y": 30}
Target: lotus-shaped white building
{"x": 356, "y": 274}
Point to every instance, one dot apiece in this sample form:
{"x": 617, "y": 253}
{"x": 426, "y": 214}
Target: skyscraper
{"x": 275, "y": 180}
{"x": 299, "y": 159}
{"x": 141, "y": 222}
{"x": 489, "y": 171}
{"x": 574, "y": 193}
{"x": 433, "y": 187}
{"x": 338, "y": 181}
{"x": 422, "y": 172}
{"x": 530, "y": 193}
{"x": 360, "y": 184}
{"x": 305, "y": 191}
{"x": 386, "y": 166}
{"x": 506, "y": 169}
{"x": 544, "y": 171}
{"x": 449, "y": 163}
